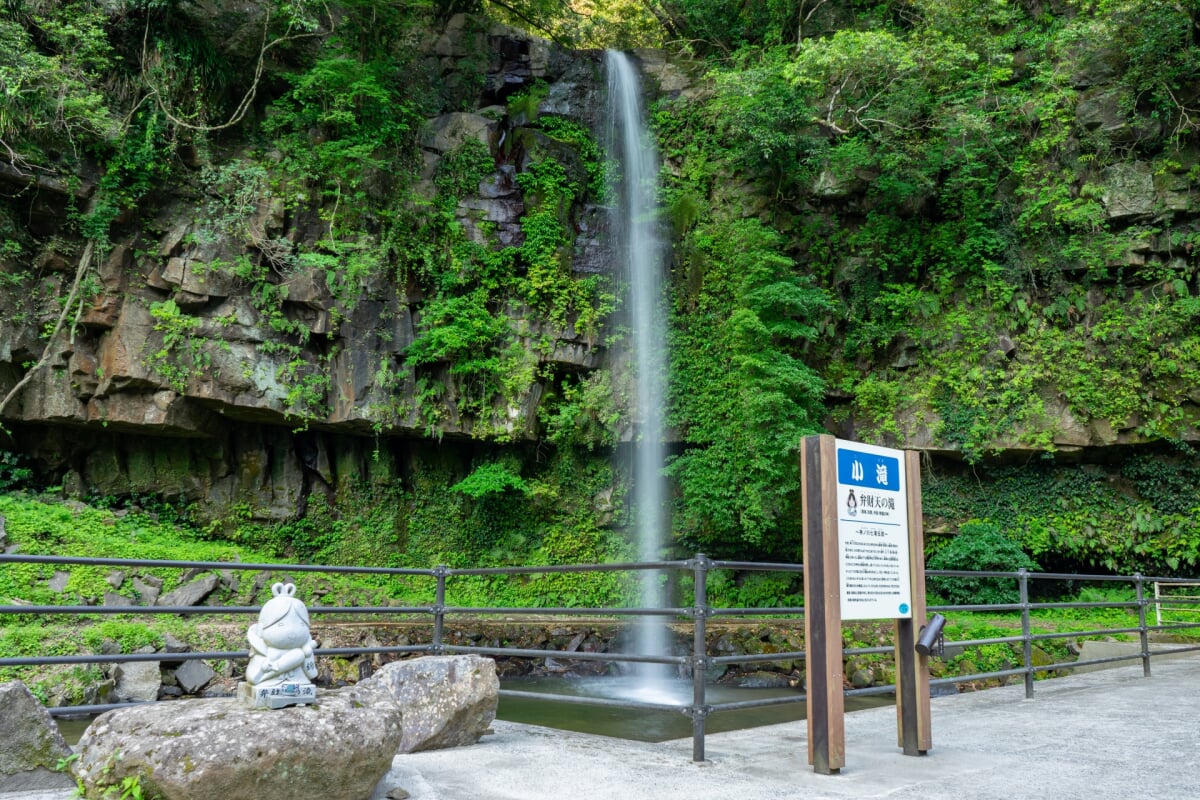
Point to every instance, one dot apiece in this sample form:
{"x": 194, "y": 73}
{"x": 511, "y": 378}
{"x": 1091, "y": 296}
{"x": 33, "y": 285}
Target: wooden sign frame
{"x": 823, "y": 615}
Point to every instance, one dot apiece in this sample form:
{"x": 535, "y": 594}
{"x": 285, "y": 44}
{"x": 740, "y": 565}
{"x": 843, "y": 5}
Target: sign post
{"x": 822, "y": 607}
{"x": 913, "y": 729}
{"x": 863, "y": 559}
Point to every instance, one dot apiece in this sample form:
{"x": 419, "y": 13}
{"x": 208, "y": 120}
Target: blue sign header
{"x": 870, "y": 470}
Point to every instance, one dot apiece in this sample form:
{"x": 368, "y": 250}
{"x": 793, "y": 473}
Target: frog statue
{"x": 282, "y": 664}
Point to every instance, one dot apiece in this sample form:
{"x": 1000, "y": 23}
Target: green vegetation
{"x": 1139, "y": 517}
{"x": 979, "y": 547}
{"x": 956, "y": 225}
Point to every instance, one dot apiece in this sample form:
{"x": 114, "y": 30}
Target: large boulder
{"x": 336, "y": 749}
{"x": 448, "y": 701}
{"x": 30, "y": 745}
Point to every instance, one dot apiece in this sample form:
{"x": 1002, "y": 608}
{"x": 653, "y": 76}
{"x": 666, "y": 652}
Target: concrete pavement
{"x": 1108, "y": 735}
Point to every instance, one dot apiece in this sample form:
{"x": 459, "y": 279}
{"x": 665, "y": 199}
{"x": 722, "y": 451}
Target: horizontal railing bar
{"x": 88, "y": 610}
{"x": 1003, "y": 673}
{"x": 760, "y": 566}
{"x": 87, "y": 711}
{"x": 214, "y": 610}
{"x": 591, "y": 701}
{"x": 979, "y": 607}
{"x": 368, "y": 651}
{"x": 757, "y": 657}
{"x": 1173, "y": 626}
{"x": 1067, "y": 576}
{"x": 1086, "y": 662}
{"x": 981, "y": 642}
{"x": 869, "y": 651}
{"x": 792, "y": 611}
{"x": 119, "y": 658}
{"x": 622, "y": 567}
{"x": 766, "y": 702}
{"x": 1054, "y": 576}
{"x": 1079, "y": 634}
{"x": 1125, "y": 604}
{"x": 564, "y": 655}
{"x": 371, "y": 610}
{"x": 1169, "y": 651}
{"x": 126, "y": 658}
{"x": 18, "y": 558}
{"x": 604, "y": 612}
{"x": 889, "y": 688}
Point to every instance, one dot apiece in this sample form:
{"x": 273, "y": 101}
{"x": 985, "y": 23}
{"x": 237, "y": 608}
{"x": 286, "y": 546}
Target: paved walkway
{"x": 1110, "y": 735}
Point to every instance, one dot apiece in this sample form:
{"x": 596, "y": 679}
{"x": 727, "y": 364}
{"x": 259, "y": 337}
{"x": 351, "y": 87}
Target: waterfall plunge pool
{"x": 649, "y": 725}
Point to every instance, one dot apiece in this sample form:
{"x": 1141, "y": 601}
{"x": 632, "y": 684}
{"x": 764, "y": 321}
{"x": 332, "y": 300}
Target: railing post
{"x": 1026, "y": 632}
{"x": 1143, "y": 633}
{"x": 700, "y": 567}
{"x": 1157, "y": 606}
{"x": 439, "y": 606}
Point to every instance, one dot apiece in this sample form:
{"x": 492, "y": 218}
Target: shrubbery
{"x": 979, "y": 546}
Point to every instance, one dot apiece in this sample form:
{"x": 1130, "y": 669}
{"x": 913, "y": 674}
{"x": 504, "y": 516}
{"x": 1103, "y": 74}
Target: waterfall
{"x": 640, "y": 253}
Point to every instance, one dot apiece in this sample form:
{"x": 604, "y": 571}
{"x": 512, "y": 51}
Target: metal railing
{"x": 699, "y": 612}
{"x": 1165, "y": 599}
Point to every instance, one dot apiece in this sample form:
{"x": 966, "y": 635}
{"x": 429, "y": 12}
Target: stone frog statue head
{"x": 281, "y": 649}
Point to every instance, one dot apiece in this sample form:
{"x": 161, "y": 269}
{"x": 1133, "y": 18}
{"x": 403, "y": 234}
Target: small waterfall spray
{"x": 641, "y": 257}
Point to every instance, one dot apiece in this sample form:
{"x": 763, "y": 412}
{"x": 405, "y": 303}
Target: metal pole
{"x": 1026, "y": 632}
{"x": 1157, "y": 605}
{"x": 700, "y": 566}
{"x": 1143, "y": 634}
{"x": 439, "y": 606}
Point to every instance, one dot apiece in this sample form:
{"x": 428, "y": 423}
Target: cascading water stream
{"x": 640, "y": 252}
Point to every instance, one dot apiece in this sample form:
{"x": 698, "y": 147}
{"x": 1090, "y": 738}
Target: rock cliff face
{"x": 199, "y": 354}
{"x": 263, "y": 328}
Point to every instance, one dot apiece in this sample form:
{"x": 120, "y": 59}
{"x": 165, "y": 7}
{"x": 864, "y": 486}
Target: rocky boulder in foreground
{"x": 337, "y": 749}
{"x": 448, "y": 701}
{"x": 30, "y": 744}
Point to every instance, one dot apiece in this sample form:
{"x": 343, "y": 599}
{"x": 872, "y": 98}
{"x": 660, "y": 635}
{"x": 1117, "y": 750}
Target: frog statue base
{"x": 278, "y": 695}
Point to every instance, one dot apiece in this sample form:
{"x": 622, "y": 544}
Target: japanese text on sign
{"x": 872, "y": 533}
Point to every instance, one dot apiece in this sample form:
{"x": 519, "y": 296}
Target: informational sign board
{"x": 873, "y": 536}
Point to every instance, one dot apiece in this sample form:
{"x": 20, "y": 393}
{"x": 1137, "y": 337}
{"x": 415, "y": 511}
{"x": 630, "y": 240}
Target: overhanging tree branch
{"x": 244, "y": 106}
